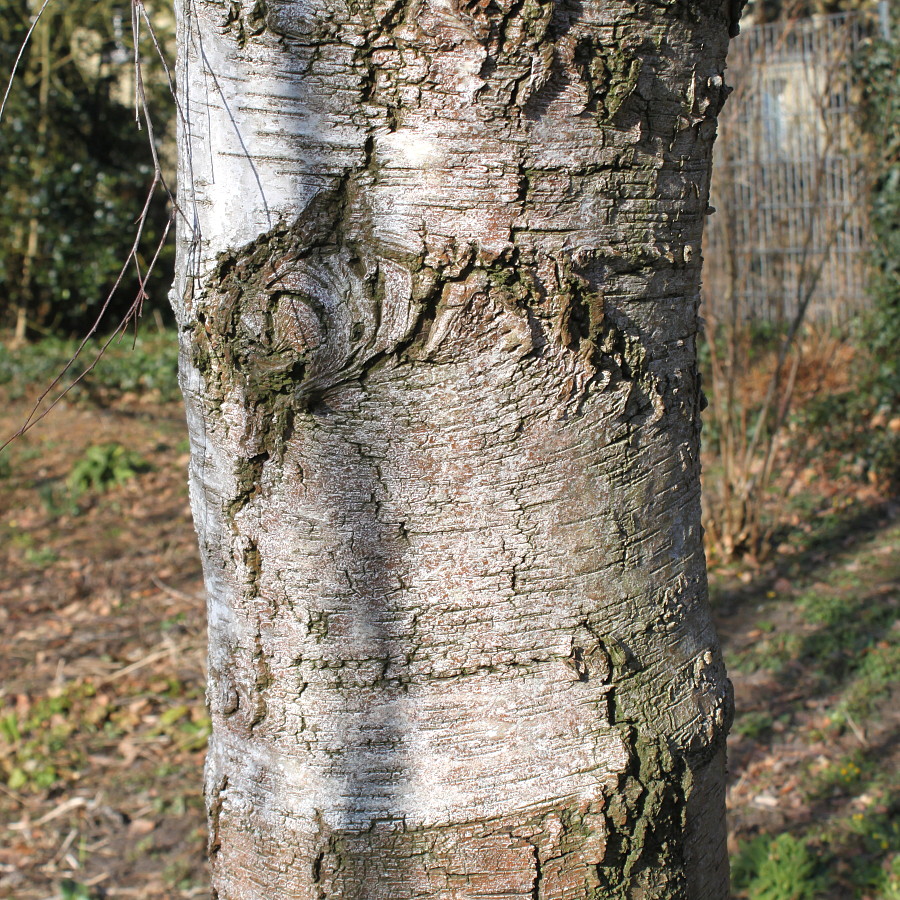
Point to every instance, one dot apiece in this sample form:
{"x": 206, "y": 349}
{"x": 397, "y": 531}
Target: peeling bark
{"x": 438, "y": 291}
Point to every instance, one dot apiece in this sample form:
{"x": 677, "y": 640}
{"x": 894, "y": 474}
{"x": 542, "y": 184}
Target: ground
{"x": 102, "y": 716}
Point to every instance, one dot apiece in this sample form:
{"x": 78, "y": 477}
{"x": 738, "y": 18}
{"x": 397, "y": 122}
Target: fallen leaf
{"x": 140, "y": 827}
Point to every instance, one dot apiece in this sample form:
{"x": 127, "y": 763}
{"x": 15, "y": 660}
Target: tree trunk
{"x": 439, "y": 271}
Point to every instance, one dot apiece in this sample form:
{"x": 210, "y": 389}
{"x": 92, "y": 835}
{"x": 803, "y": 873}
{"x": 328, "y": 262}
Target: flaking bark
{"x": 438, "y": 303}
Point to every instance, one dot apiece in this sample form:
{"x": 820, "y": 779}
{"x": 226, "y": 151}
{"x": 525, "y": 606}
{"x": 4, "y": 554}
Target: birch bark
{"x": 438, "y": 288}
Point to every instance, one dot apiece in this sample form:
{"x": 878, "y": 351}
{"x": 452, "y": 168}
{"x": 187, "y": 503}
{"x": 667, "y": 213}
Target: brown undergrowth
{"x": 102, "y": 716}
{"x": 810, "y": 624}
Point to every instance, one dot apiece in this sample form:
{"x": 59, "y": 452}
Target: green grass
{"x": 104, "y": 466}
{"x": 47, "y": 745}
{"x": 837, "y": 640}
{"x": 74, "y": 890}
{"x": 147, "y": 364}
{"x": 776, "y": 868}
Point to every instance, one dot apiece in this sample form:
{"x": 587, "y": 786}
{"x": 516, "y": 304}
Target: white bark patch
{"x": 446, "y": 754}
{"x": 247, "y": 116}
{"x": 409, "y": 148}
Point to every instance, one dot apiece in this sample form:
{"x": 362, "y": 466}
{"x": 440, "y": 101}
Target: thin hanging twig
{"x": 21, "y": 53}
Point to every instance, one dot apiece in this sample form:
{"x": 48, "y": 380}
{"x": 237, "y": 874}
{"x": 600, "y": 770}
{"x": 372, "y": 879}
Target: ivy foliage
{"x": 881, "y": 74}
{"x": 74, "y": 167}
{"x": 879, "y": 387}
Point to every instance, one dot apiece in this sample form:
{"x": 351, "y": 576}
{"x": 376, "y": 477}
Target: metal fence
{"x": 789, "y": 181}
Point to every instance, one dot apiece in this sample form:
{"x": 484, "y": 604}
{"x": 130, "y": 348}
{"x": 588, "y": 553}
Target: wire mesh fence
{"x": 789, "y": 179}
